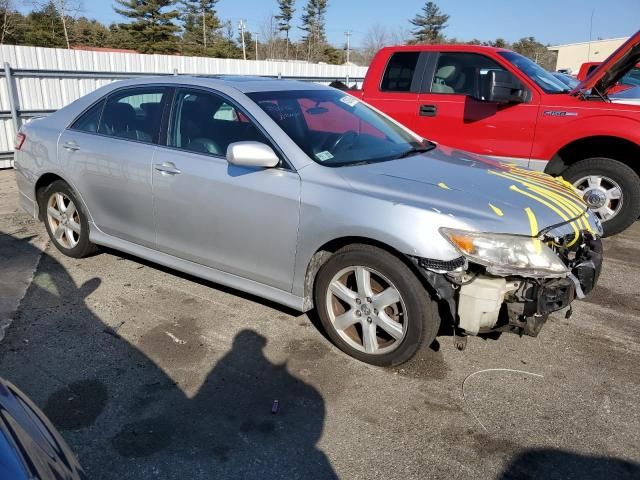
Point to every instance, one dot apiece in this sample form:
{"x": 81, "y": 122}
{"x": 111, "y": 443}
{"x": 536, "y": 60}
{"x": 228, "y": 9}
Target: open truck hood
{"x": 613, "y": 68}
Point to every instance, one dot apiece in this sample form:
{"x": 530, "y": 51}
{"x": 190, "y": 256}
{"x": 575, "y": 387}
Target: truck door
{"x": 449, "y": 114}
{"x": 398, "y": 91}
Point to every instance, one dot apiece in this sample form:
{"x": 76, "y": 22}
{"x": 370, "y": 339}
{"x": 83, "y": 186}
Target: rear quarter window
{"x": 400, "y": 71}
{"x": 88, "y": 121}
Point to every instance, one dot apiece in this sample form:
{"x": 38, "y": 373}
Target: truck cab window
{"x": 400, "y": 71}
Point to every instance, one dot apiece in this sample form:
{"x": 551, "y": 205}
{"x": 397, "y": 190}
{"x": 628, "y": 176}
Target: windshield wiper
{"x": 417, "y": 150}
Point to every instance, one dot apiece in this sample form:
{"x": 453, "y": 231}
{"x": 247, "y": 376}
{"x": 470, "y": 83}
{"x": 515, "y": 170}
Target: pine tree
{"x": 429, "y": 24}
{"x": 284, "y": 20}
{"x": 201, "y": 25}
{"x": 313, "y": 23}
{"x": 152, "y": 29}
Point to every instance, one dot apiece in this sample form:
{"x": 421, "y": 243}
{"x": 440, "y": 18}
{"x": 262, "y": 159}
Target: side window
{"x": 134, "y": 114}
{"x": 205, "y": 123}
{"x": 459, "y": 73}
{"x": 400, "y": 71}
{"x": 88, "y": 121}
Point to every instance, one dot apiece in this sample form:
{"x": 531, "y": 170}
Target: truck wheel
{"x": 373, "y": 307}
{"x": 610, "y": 188}
{"x": 65, "y": 220}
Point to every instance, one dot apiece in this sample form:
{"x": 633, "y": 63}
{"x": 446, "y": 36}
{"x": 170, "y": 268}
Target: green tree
{"x": 152, "y": 29}
{"x": 88, "y": 32}
{"x": 201, "y": 25}
{"x": 284, "y": 20}
{"x": 536, "y": 51}
{"x": 43, "y": 28}
{"x": 430, "y": 24}
{"x": 12, "y": 23}
{"x": 313, "y": 23}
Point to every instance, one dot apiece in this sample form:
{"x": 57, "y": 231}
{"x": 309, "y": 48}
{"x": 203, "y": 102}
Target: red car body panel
{"x": 534, "y": 130}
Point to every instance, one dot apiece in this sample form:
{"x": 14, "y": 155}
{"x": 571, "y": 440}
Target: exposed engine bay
{"x": 482, "y": 303}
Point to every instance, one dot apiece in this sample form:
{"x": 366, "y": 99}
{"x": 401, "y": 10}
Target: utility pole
{"x": 348, "y": 35}
{"x": 256, "y": 35}
{"x": 242, "y": 26}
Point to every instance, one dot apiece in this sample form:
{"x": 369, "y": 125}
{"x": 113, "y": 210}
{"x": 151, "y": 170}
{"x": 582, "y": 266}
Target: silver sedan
{"x": 306, "y": 196}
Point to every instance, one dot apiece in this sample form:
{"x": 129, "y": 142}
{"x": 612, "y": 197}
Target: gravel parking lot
{"x": 149, "y": 373}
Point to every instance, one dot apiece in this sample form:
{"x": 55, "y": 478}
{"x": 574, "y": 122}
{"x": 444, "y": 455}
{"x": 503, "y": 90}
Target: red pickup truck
{"x": 498, "y": 103}
{"x": 629, "y": 80}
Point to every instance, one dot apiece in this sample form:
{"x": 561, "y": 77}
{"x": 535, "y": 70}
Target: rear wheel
{"x": 65, "y": 221}
{"x": 610, "y": 188}
{"x": 373, "y": 306}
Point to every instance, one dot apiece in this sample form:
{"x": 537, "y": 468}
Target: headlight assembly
{"x": 507, "y": 254}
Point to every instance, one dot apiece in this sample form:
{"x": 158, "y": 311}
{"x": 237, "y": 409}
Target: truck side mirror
{"x": 500, "y": 86}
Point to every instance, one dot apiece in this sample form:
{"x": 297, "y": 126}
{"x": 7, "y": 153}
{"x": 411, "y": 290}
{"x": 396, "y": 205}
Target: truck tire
{"x": 373, "y": 307}
{"x": 610, "y": 188}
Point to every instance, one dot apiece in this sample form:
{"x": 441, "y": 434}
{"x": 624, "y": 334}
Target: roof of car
{"x": 245, "y": 84}
{"x": 450, "y": 47}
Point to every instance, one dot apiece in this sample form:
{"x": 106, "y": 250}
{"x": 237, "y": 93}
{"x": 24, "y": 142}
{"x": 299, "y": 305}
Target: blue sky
{"x": 550, "y": 21}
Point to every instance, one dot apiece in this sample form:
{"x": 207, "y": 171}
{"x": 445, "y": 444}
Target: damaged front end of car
{"x": 510, "y": 283}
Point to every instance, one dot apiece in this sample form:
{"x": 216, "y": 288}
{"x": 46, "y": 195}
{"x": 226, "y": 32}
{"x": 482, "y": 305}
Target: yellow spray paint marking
{"x": 558, "y": 198}
{"x": 553, "y": 208}
{"x": 566, "y": 200}
{"x": 496, "y": 210}
{"x": 533, "y": 222}
{"x": 567, "y": 206}
{"x": 443, "y": 185}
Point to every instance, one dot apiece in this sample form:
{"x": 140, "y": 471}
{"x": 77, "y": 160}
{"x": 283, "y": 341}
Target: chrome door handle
{"x": 167, "y": 168}
{"x": 71, "y": 146}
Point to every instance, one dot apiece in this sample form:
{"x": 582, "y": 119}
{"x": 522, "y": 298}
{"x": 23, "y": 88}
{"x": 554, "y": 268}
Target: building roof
{"x": 600, "y": 40}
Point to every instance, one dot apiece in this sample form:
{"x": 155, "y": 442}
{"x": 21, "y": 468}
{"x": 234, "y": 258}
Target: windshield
{"x": 544, "y": 79}
{"x": 336, "y": 129}
{"x": 632, "y": 78}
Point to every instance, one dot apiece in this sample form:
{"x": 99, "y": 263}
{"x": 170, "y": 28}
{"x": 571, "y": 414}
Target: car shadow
{"x": 125, "y": 417}
{"x": 555, "y": 464}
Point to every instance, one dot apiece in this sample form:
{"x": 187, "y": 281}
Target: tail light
{"x": 20, "y": 138}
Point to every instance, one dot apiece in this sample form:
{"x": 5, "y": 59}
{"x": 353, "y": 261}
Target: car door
{"x": 398, "y": 92}
{"x": 449, "y": 114}
{"x": 108, "y": 151}
{"x": 242, "y": 221}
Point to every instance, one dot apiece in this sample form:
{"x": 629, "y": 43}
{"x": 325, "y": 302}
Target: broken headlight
{"x": 504, "y": 254}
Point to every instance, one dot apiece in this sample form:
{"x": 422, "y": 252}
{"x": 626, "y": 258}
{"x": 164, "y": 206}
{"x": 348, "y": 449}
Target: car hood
{"x": 476, "y": 192}
{"x": 613, "y": 68}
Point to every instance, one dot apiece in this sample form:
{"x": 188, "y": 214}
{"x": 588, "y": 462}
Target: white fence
{"x": 38, "y": 81}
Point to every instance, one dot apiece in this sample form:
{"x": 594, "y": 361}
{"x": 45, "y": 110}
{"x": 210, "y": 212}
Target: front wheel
{"x": 610, "y": 188}
{"x": 373, "y": 307}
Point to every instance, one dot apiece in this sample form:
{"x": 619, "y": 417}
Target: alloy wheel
{"x": 366, "y": 310}
{"x": 64, "y": 220}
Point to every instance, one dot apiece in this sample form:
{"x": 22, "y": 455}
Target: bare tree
{"x": 6, "y": 8}
{"x": 376, "y": 37}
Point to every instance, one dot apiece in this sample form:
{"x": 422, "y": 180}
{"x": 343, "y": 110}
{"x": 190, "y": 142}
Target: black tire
{"x": 624, "y": 176}
{"x": 84, "y": 247}
{"x": 421, "y": 319}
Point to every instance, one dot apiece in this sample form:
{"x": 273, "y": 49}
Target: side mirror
{"x": 251, "y": 154}
{"x": 500, "y": 86}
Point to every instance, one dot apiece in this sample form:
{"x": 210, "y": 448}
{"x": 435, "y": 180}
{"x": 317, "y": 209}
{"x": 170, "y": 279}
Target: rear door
{"x": 239, "y": 220}
{"x": 449, "y": 114}
{"x": 109, "y": 150}
{"x": 398, "y": 91}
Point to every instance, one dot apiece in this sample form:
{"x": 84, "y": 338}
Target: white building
{"x": 572, "y": 55}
